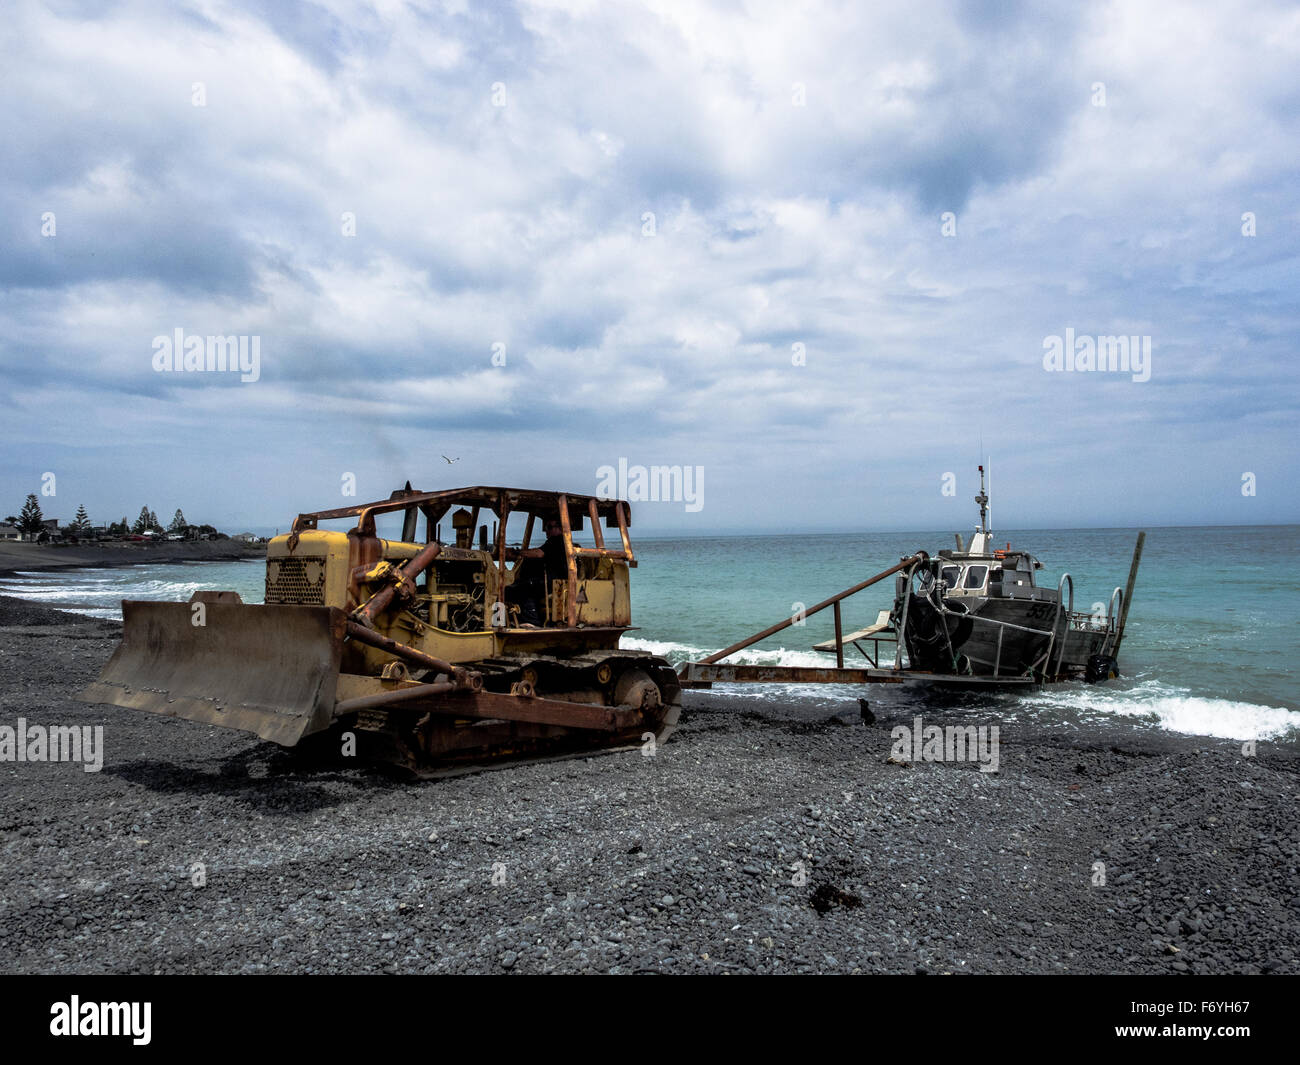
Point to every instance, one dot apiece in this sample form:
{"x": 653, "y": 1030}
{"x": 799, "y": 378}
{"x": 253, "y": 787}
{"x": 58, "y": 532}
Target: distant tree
{"x": 153, "y": 522}
{"x": 178, "y": 522}
{"x": 29, "y": 521}
{"x": 142, "y": 523}
{"x": 81, "y": 523}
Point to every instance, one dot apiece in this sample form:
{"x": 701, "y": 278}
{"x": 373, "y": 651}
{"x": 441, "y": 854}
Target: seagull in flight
{"x": 450, "y": 461}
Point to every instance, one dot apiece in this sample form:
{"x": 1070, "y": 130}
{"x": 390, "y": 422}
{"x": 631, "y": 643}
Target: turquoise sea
{"x": 1211, "y": 647}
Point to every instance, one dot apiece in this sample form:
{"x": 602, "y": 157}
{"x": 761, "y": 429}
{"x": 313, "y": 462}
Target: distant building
{"x": 10, "y": 532}
{"x": 247, "y": 538}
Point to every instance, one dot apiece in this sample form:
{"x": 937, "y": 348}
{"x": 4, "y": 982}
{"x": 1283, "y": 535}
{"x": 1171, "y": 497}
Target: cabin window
{"x": 951, "y": 574}
{"x": 975, "y": 576}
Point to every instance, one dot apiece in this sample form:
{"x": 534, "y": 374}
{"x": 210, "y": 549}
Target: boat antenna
{"x": 989, "y": 506}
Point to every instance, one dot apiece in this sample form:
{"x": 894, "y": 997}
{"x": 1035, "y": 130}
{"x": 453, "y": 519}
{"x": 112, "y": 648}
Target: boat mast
{"x": 983, "y": 500}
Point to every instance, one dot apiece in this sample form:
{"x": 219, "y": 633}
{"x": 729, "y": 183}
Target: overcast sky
{"x": 817, "y": 250}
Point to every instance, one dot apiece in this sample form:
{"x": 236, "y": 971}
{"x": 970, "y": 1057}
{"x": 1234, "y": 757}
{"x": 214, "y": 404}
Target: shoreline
{"x": 17, "y": 557}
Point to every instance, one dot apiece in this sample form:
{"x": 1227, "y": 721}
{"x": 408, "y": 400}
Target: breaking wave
{"x": 1177, "y": 710}
{"x": 99, "y": 592}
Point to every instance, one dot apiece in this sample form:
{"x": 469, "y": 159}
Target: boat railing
{"x": 1113, "y": 610}
{"x": 1066, "y": 581}
{"x": 1056, "y": 634}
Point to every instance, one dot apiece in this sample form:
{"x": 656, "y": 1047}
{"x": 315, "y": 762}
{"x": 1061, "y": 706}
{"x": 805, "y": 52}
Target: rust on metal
{"x": 401, "y": 650}
{"x": 771, "y": 630}
{"x": 698, "y": 672}
{"x": 503, "y": 515}
{"x": 621, "y": 510}
{"x": 571, "y": 562}
{"x": 402, "y": 584}
{"x": 354, "y": 637}
{"x": 276, "y": 667}
{"x": 397, "y": 695}
{"x": 498, "y": 706}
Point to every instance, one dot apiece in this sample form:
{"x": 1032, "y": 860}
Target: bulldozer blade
{"x": 269, "y": 670}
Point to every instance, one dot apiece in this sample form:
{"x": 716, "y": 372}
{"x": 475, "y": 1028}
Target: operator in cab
{"x": 530, "y": 587}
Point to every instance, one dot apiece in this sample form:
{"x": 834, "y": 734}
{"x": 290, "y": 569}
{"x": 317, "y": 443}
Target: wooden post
{"x": 839, "y": 638}
{"x": 1128, "y": 589}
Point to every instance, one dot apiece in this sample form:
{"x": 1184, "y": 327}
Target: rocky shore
{"x": 762, "y": 838}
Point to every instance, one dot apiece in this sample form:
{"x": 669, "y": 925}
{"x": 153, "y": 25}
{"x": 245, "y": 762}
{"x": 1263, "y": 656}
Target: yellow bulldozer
{"x": 434, "y": 657}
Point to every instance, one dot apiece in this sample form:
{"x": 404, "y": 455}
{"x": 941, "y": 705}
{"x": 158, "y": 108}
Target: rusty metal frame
{"x": 521, "y": 499}
{"x": 503, "y": 516}
{"x": 459, "y": 674}
{"x": 497, "y": 706}
{"x": 571, "y": 564}
{"x": 699, "y": 675}
{"x": 834, "y": 601}
{"x": 698, "y": 672}
{"x": 624, "y": 520}
{"x": 502, "y": 502}
{"x": 402, "y": 584}
{"x": 708, "y": 670}
{"x": 481, "y": 705}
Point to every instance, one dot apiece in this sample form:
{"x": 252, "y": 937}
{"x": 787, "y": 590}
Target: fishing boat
{"x": 974, "y": 616}
{"x": 979, "y": 611}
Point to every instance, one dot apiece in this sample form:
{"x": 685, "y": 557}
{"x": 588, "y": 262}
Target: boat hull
{"x": 998, "y": 637}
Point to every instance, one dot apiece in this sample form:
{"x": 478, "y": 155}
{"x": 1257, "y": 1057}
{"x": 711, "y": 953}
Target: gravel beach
{"x": 763, "y": 837}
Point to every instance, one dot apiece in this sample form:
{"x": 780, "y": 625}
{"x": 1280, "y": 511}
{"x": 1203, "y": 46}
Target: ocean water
{"x": 1211, "y": 645}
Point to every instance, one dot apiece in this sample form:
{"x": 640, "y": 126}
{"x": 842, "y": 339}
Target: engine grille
{"x": 295, "y": 580}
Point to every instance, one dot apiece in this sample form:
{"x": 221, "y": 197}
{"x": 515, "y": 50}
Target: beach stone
{"x": 685, "y": 862}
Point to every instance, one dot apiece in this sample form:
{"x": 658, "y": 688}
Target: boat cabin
{"x": 1002, "y": 573}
